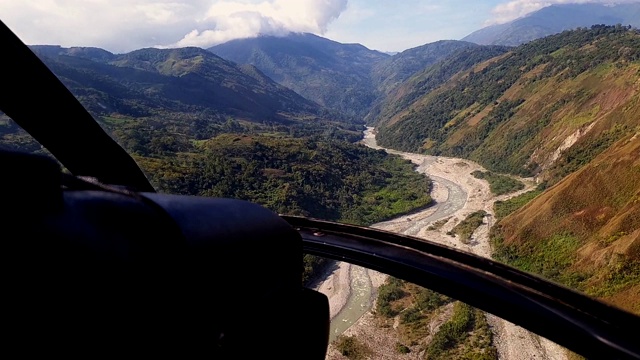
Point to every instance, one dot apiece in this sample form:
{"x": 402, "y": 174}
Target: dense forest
{"x": 332, "y": 180}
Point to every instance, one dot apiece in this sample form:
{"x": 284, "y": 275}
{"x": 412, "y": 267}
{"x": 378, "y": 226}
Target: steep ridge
{"x": 554, "y": 19}
{"x": 346, "y": 77}
{"x": 392, "y": 73}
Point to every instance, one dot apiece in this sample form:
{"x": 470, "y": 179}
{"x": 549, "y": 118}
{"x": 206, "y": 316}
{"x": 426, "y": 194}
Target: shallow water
{"x": 358, "y": 304}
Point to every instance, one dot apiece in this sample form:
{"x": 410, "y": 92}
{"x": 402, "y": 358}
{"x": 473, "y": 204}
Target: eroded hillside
{"x": 591, "y": 234}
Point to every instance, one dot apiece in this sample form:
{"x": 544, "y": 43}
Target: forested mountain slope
{"x": 201, "y": 125}
{"x": 345, "y": 77}
{"x": 395, "y": 100}
{"x": 546, "y": 108}
{"x": 390, "y": 74}
{"x": 148, "y": 82}
{"x": 332, "y": 74}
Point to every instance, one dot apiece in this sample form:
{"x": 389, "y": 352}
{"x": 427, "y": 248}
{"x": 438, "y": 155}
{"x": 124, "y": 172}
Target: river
{"x": 362, "y": 292}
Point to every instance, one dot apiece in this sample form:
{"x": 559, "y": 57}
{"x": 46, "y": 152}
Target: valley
{"x": 456, "y": 194}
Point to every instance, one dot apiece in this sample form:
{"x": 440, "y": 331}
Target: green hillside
{"x": 515, "y": 113}
{"x": 397, "y": 99}
{"x": 332, "y": 180}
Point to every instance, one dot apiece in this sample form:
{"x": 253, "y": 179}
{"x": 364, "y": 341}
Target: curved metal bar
{"x": 582, "y": 324}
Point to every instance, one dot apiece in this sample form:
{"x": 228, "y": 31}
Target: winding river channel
{"x": 361, "y": 295}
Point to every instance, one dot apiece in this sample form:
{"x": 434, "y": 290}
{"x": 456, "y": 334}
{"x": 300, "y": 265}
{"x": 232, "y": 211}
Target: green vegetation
{"x": 325, "y": 179}
{"x": 499, "y": 184}
{"x": 188, "y": 85}
{"x": 414, "y": 304}
{"x": 582, "y": 231}
{"x": 518, "y": 103}
{"x": 419, "y": 312}
{"x": 549, "y": 258}
{"x": 425, "y": 81}
{"x": 584, "y": 151}
{"x": 554, "y": 259}
{"x": 467, "y": 226}
{"x": 506, "y": 207}
{"x": 312, "y": 265}
{"x": 389, "y": 292}
{"x": 438, "y": 224}
{"x": 352, "y": 348}
{"x": 402, "y": 349}
{"x": 623, "y": 272}
{"x": 254, "y": 140}
{"x": 394, "y": 70}
{"x": 452, "y": 332}
{"x": 465, "y": 336}
{"x": 331, "y": 180}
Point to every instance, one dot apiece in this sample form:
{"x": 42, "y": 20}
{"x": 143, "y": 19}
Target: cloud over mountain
{"x": 227, "y": 20}
{"x": 124, "y": 25}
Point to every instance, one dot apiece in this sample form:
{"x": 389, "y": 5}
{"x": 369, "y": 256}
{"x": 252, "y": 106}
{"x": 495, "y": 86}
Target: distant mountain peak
{"x": 330, "y": 73}
{"x": 554, "y": 19}
{"x": 91, "y": 53}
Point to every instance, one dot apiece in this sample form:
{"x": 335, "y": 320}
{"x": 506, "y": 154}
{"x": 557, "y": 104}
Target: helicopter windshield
{"x": 517, "y": 142}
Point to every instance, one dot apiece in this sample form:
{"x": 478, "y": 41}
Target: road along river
{"x": 352, "y": 289}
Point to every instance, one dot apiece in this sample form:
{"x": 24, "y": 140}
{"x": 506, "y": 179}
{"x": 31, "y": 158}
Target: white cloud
{"x": 514, "y": 9}
{"x": 234, "y": 19}
{"x": 124, "y": 25}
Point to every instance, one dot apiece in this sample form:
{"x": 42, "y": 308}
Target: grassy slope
{"x": 175, "y": 84}
{"x": 591, "y": 237}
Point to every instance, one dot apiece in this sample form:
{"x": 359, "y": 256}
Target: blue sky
{"x": 396, "y": 26}
{"x": 125, "y": 25}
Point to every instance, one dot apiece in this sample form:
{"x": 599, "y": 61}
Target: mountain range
{"x": 554, "y": 19}
{"x": 138, "y": 83}
{"x": 346, "y": 77}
